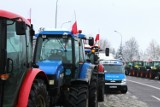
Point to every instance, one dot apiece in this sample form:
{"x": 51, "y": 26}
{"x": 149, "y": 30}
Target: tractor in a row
{"x": 92, "y": 53}
{"x": 58, "y": 74}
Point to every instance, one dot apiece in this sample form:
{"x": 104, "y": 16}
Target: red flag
{"x": 97, "y": 42}
{"x": 97, "y": 38}
{"x": 74, "y": 28}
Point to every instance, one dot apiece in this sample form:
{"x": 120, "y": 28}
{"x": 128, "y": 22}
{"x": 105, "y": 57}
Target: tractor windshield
{"x": 156, "y": 63}
{"x": 54, "y": 48}
{"x": 138, "y": 63}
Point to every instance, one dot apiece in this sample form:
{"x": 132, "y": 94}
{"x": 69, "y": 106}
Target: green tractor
{"x": 154, "y": 70}
{"x": 127, "y": 67}
{"x": 145, "y": 69}
{"x": 135, "y": 68}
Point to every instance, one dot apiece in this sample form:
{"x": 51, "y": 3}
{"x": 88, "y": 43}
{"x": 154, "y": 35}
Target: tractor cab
{"x": 59, "y": 48}
{"x": 15, "y": 52}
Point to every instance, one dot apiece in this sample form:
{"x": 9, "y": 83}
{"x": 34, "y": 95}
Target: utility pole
{"x": 120, "y": 43}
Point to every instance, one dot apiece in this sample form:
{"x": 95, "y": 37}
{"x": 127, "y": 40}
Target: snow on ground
{"x": 121, "y": 100}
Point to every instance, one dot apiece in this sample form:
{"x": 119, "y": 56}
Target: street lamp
{"x": 56, "y": 15}
{"x": 121, "y": 41}
{"x": 65, "y": 23}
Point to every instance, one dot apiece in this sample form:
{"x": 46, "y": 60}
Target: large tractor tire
{"x": 38, "y": 95}
{"x": 151, "y": 75}
{"x": 93, "y": 92}
{"x": 137, "y": 74}
{"x": 101, "y": 89}
{"x": 77, "y": 96}
{"x": 146, "y": 75}
{"x": 142, "y": 74}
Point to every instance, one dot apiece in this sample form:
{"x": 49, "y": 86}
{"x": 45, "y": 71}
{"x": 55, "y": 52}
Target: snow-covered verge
{"x": 121, "y": 100}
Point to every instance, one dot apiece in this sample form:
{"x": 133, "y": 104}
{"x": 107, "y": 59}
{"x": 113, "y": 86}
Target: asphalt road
{"x": 141, "y": 93}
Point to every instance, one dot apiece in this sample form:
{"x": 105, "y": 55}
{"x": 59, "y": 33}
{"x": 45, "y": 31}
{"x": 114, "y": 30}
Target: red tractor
{"x": 21, "y": 85}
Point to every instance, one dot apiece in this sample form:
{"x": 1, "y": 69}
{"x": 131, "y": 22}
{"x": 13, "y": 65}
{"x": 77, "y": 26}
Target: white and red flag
{"x": 97, "y": 41}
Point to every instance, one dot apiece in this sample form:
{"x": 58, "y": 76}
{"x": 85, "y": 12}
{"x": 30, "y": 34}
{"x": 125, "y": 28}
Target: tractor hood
{"x": 50, "y": 67}
{"x": 115, "y": 76}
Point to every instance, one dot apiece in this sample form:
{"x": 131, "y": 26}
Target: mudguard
{"x": 86, "y": 72}
{"x": 100, "y": 69}
{"x": 26, "y": 86}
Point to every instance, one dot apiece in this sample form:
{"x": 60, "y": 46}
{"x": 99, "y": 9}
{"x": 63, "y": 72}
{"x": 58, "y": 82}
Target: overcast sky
{"x": 131, "y": 18}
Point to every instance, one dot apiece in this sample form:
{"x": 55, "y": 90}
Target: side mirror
{"x": 20, "y": 28}
{"x": 91, "y": 41}
{"x": 107, "y": 51}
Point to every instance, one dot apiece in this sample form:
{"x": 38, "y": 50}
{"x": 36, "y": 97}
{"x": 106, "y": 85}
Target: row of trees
{"x": 131, "y": 51}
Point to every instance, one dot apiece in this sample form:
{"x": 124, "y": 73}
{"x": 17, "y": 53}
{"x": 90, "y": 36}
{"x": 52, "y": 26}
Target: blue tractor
{"x": 92, "y": 54}
{"x": 72, "y": 80}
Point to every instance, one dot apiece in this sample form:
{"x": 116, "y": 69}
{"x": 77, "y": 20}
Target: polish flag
{"x": 97, "y": 41}
{"x": 97, "y": 38}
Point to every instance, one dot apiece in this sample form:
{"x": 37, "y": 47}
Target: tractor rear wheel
{"x": 38, "y": 95}
{"x": 77, "y": 96}
{"x": 93, "y": 102}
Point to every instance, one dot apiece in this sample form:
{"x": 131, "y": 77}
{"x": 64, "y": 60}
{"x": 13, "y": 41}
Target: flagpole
{"x": 30, "y": 14}
{"x": 75, "y": 15}
{"x": 56, "y": 15}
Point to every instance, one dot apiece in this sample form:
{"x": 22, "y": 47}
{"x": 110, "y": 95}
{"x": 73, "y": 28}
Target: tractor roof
{"x": 60, "y": 32}
{"x": 10, "y": 15}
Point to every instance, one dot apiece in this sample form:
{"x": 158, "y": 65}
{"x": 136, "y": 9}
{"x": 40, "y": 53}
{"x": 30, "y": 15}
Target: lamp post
{"x": 56, "y": 14}
{"x": 65, "y": 23}
{"x": 121, "y": 42}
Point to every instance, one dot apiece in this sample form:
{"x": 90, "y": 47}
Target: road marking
{"x": 144, "y": 84}
{"x": 156, "y": 97}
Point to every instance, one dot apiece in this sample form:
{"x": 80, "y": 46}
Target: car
{"x": 115, "y": 78}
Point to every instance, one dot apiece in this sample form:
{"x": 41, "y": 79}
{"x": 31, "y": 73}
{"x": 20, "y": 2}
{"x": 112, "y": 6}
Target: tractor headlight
{"x": 51, "y": 82}
{"x": 154, "y": 68}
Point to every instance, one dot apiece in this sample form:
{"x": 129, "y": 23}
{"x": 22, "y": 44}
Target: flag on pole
{"x": 97, "y": 42}
{"x": 97, "y": 38}
{"x": 74, "y": 28}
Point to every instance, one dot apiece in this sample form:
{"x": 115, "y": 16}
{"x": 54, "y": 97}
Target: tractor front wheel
{"x": 38, "y": 95}
{"x": 77, "y": 96}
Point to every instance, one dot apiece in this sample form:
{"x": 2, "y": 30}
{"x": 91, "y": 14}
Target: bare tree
{"x": 104, "y": 44}
{"x": 131, "y": 50}
{"x": 153, "y": 50}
